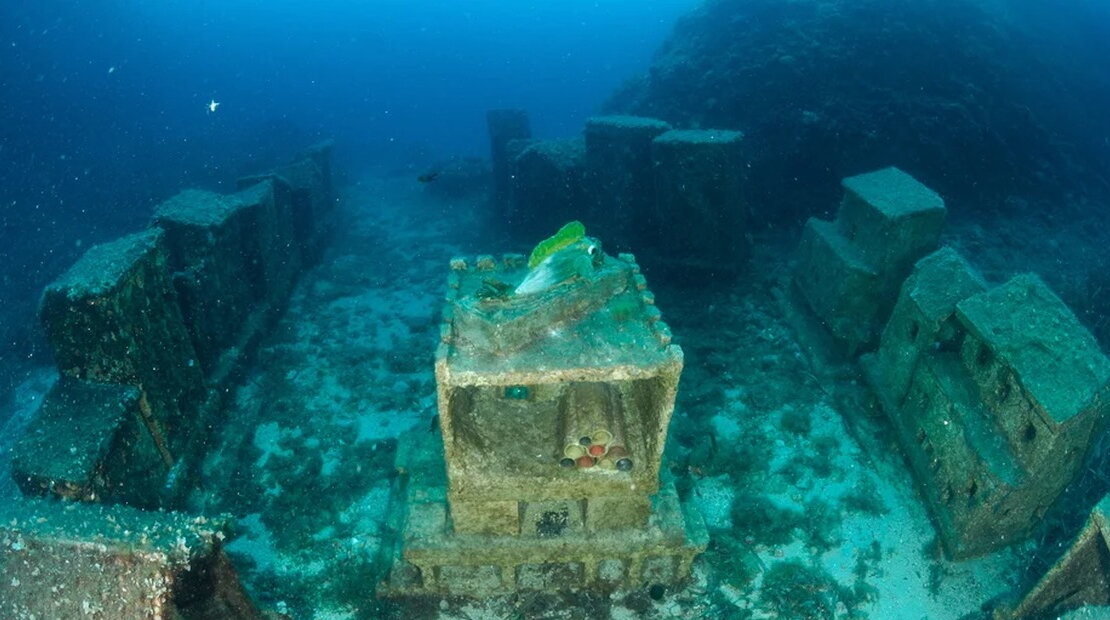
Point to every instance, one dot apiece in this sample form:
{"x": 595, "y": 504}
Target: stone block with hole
{"x": 1000, "y": 411}
{"x": 922, "y": 319}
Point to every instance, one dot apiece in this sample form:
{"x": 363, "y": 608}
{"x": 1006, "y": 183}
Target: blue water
{"x": 105, "y": 105}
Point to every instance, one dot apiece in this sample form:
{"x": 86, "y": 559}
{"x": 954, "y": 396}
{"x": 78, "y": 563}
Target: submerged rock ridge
{"x": 956, "y": 94}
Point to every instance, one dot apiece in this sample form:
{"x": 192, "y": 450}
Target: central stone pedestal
{"x": 553, "y": 415}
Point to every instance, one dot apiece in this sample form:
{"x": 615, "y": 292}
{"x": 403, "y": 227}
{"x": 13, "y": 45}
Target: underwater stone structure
{"x": 553, "y": 412}
{"x": 849, "y": 271}
{"x": 149, "y": 331}
{"x": 548, "y": 186}
{"x": 113, "y": 318}
{"x": 1079, "y": 578}
{"x": 505, "y": 126}
{"x": 77, "y": 560}
{"x": 698, "y": 216}
{"x": 619, "y": 175}
{"x": 996, "y": 397}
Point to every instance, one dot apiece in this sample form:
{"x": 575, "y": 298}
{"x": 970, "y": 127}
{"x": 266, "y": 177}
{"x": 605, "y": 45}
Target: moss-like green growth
{"x": 733, "y": 563}
{"x": 821, "y": 525}
{"x": 797, "y": 421}
{"x": 624, "y": 307}
{"x": 568, "y": 234}
{"x": 864, "y": 498}
{"x": 757, "y": 516}
{"x": 794, "y": 590}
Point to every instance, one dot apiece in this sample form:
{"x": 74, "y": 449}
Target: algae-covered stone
{"x": 839, "y": 286}
{"x": 113, "y": 318}
{"x": 87, "y": 442}
{"x": 548, "y": 186}
{"x": 71, "y": 560}
{"x": 214, "y": 254}
{"x": 1026, "y": 327}
{"x": 886, "y": 222}
{"x": 619, "y": 173}
{"x": 922, "y": 318}
{"x": 699, "y": 210}
{"x": 1001, "y": 408}
{"x": 892, "y": 218}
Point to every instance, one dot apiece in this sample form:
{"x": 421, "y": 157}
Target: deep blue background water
{"x": 104, "y": 107}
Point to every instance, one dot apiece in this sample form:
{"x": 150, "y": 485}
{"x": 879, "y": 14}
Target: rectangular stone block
{"x": 550, "y": 576}
{"x": 548, "y": 187}
{"x": 213, "y": 251}
{"x": 617, "y": 513}
{"x": 308, "y": 199}
{"x": 274, "y": 258}
{"x": 486, "y": 517}
{"x": 619, "y": 173}
{"x": 892, "y": 218}
{"x": 87, "y": 443}
{"x": 922, "y": 319}
{"x": 1024, "y": 326}
{"x": 87, "y": 561}
{"x": 425, "y": 520}
{"x": 837, "y": 284}
{"x": 698, "y": 209}
{"x": 552, "y": 519}
{"x": 470, "y": 579}
{"x": 113, "y": 318}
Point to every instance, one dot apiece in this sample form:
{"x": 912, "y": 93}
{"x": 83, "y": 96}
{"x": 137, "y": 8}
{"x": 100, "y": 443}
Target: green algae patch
{"x": 568, "y": 234}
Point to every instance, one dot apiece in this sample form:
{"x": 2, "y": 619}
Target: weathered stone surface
{"x": 839, "y": 287}
{"x": 548, "y": 187}
{"x": 893, "y": 220}
{"x": 573, "y": 497}
{"x": 303, "y": 186}
{"x": 922, "y": 318}
{"x": 1003, "y": 405}
{"x": 619, "y": 174}
{"x": 213, "y": 249}
{"x": 699, "y": 213}
{"x": 71, "y": 560}
{"x": 87, "y": 442}
{"x": 113, "y": 318}
{"x": 849, "y": 271}
{"x": 1024, "y": 327}
{"x": 1080, "y": 578}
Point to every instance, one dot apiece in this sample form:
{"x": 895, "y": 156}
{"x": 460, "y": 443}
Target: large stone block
{"x": 1024, "y": 327}
{"x": 275, "y": 258}
{"x": 310, "y": 203}
{"x": 923, "y": 318}
{"x": 1001, "y": 410}
{"x": 619, "y": 172}
{"x": 887, "y": 221}
{"x": 892, "y": 218}
{"x": 86, "y": 561}
{"x": 87, "y": 442}
{"x": 113, "y": 318}
{"x": 548, "y": 187}
{"x": 837, "y": 284}
{"x": 213, "y": 247}
{"x": 698, "y": 209}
